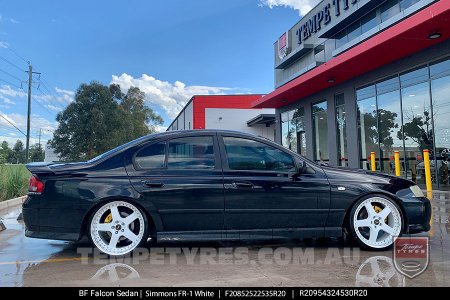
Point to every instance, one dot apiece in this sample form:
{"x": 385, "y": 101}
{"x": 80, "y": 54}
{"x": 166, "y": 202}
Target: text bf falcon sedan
{"x": 215, "y": 185}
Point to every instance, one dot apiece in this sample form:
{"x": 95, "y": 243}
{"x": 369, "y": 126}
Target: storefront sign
{"x": 323, "y": 17}
{"x": 283, "y": 45}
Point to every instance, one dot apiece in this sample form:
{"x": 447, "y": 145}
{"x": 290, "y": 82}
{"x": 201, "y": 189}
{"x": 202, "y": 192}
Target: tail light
{"x": 35, "y": 186}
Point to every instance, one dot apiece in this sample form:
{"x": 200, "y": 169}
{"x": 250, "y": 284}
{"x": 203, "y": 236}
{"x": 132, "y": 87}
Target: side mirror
{"x": 299, "y": 171}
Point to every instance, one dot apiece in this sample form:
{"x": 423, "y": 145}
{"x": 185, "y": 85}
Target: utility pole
{"x": 40, "y": 130}
{"x": 30, "y": 84}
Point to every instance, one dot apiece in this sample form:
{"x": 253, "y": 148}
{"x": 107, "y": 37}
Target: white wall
{"x": 236, "y": 119}
{"x": 189, "y": 116}
{"x": 50, "y": 154}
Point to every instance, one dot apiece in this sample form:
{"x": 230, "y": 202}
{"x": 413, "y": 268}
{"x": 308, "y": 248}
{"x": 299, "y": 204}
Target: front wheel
{"x": 118, "y": 227}
{"x": 375, "y": 221}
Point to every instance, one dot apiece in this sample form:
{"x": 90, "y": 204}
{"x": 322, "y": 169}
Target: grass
{"x": 13, "y": 181}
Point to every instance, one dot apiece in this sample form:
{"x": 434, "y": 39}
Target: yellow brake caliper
{"x": 378, "y": 209}
{"x": 108, "y": 218}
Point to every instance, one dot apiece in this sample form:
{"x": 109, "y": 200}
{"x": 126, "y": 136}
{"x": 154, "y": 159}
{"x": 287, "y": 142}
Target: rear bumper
{"x": 33, "y": 224}
{"x": 418, "y": 212}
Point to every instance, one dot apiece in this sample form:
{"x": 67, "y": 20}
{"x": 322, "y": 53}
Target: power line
{"x": 11, "y": 63}
{"x": 17, "y": 54}
{"x": 13, "y": 76}
{"x": 12, "y": 84}
{"x": 13, "y": 125}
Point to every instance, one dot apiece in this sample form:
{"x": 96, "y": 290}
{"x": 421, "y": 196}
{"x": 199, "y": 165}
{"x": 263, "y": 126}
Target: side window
{"x": 245, "y": 154}
{"x": 191, "y": 153}
{"x": 151, "y": 157}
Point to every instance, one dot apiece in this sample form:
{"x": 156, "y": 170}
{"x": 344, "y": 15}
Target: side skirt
{"x": 255, "y": 234}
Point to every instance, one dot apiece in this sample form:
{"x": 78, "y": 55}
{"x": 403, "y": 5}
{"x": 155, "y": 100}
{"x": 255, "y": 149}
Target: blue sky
{"x": 170, "y": 49}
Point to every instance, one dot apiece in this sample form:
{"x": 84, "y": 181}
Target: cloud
{"x": 20, "y": 121}
{"x": 170, "y": 97}
{"x": 302, "y": 6}
{"x": 6, "y": 100}
{"x": 14, "y": 21}
{"x": 54, "y": 108}
{"x": 63, "y": 91}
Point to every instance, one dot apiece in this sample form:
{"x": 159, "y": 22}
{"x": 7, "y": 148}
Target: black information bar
{"x": 198, "y": 293}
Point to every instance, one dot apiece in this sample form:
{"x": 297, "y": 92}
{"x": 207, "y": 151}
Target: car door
{"x": 182, "y": 180}
{"x": 260, "y": 192}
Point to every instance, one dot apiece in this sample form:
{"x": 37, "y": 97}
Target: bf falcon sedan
{"x": 216, "y": 185}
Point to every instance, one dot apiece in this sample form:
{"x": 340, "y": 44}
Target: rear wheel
{"x": 375, "y": 221}
{"x": 118, "y": 227}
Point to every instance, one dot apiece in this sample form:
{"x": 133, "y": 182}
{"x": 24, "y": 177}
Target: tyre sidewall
{"x": 354, "y": 236}
{"x": 144, "y": 216}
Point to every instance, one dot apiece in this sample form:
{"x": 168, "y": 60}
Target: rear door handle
{"x": 152, "y": 184}
{"x": 245, "y": 185}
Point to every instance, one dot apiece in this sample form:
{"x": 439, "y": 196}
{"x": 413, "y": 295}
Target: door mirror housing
{"x": 301, "y": 169}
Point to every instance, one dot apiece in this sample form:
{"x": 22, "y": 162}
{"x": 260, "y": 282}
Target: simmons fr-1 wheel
{"x": 375, "y": 221}
{"x": 118, "y": 227}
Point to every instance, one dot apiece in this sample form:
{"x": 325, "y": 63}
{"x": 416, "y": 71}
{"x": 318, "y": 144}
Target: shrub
{"x": 13, "y": 181}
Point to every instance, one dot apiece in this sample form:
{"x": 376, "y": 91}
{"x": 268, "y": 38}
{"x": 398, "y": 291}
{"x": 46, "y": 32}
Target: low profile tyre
{"x": 118, "y": 227}
{"x": 374, "y": 222}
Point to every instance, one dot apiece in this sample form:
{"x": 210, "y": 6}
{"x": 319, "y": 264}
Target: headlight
{"x": 417, "y": 192}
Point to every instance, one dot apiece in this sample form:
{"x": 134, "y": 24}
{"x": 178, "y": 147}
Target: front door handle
{"x": 243, "y": 184}
{"x": 152, "y": 184}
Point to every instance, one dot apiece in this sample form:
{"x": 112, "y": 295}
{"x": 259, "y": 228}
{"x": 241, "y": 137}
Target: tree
{"x": 37, "y": 153}
{"x": 100, "y": 119}
{"x": 18, "y": 153}
{"x": 418, "y": 129}
{"x": 5, "y": 153}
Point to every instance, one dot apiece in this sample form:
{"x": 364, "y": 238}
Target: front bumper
{"x": 418, "y": 213}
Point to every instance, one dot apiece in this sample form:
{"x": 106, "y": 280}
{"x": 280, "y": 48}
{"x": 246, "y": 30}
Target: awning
{"x": 263, "y": 119}
{"x": 401, "y": 40}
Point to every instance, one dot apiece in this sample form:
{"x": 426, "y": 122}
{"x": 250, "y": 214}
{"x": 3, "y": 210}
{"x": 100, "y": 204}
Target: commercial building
{"x": 231, "y": 112}
{"x": 356, "y": 76}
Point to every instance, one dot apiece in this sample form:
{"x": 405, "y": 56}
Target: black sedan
{"x": 216, "y": 185}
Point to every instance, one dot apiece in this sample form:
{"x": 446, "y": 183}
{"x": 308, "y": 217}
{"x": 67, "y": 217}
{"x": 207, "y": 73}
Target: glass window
{"x": 285, "y": 138}
{"x": 389, "y": 9}
{"x": 151, "y": 157}
{"x": 368, "y": 130}
{"x": 414, "y": 77}
{"x": 417, "y": 128}
{"x": 440, "y": 69}
{"x": 440, "y": 89}
{"x": 389, "y": 129}
{"x": 354, "y": 31}
{"x": 404, "y": 4}
{"x": 369, "y": 21}
{"x": 341, "y": 38}
{"x": 341, "y": 128}
{"x": 365, "y": 92}
{"x": 298, "y": 121}
{"x": 320, "y": 122}
{"x": 191, "y": 153}
{"x": 245, "y": 154}
{"x": 388, "y": 85}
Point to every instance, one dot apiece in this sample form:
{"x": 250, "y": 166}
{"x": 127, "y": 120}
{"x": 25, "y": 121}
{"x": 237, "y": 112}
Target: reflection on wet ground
{"x": 31, "y": 262}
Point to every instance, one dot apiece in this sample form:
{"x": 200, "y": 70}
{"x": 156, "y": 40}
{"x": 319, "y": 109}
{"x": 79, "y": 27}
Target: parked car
{"x": 215, "y": 185}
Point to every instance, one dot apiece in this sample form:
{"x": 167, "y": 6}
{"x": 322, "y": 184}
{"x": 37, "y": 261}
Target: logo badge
{"x": 411, "y": 255}
{"x": 283, "y": 45}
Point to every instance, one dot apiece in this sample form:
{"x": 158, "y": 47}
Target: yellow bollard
{"x": 427, "y": 166}
{"x": 373, "y": 163}
{"x": 397, "y": 163}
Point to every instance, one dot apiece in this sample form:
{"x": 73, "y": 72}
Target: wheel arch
{"x": 152, "y": 225}
{"x": 345, "y": 221}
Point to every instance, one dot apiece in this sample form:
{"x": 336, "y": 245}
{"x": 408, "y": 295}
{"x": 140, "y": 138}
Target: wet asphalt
{"x": 328, "y": 262}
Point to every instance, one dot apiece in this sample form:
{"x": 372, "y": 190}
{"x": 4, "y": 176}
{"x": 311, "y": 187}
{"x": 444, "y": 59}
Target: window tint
{"x": 245, "y": 154}
{"x": 191, "y": 153}
{"x": 151, "y": 157}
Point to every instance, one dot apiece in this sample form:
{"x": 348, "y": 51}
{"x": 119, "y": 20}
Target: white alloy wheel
{"x": 117, "y": 228}
{"x": 376, "y": 221}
